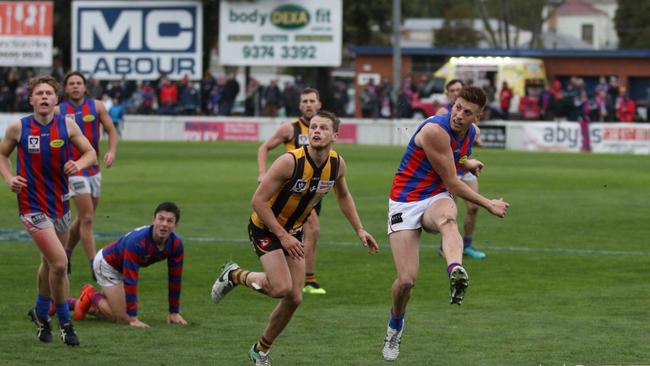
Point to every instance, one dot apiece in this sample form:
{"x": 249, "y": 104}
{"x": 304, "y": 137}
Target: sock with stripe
{"x": 310, "y": 279}
{"x": 96, "y": 298}
{"x": 452, "y": 266}
{"x": 396, "y": 321}
{"x": 42, "y": 306}
{"x": 239, "y": 277}
{"x": 263, "y": 345}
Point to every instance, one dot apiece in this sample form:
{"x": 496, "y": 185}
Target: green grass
{"x": 565, "y": 280}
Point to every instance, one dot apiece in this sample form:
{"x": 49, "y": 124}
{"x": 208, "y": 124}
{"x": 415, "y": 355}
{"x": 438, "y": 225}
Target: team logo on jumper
{"x": 264, "y": 243}
{"x": 58, "y": 143}
{"x": 396, "y": 219}
{"x": 299, "y": 186}
{"x": 34, "y": 144}
{"x": 303, "y": 140}
{"x": 324, "y": 186}
{"x": 462, "y": 159}
{"x": 89, "y": 118}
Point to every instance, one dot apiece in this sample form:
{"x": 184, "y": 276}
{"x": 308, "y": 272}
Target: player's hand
{"x": 498, "y": 207}
{"x": 71, "y": 167}
{"x": 473, "y": 166}
{"x": 134, "y": 322}
{"x": 175, "y": 318}
{"x": 368, "y": 241}
{"x": 16, "y": 183}
{"x": 109, "y": 157}
{"x": 293, "y": 246}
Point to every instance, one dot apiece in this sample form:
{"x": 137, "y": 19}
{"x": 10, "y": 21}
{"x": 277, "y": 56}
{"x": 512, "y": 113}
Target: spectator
{"x": 546, "y": 104}
{"x": 253, "y": 102}
{"x": 291, "y": 100}
{"x": 612, "y": 97}
{"x": 148, "y": 97}
{"x": 208, "y": 83}
{"x": 168, "y": 97}
{"x": 625, "y": 107}
{"x": 404, "y": 109}
{"x": 368, "y": 101}
{"x": 117, "y": 115}
{"x": 9, "y": 91}
{"x": 341, "y": 98}
{"x": 505, "y": 96}
{"x": 228, "y": 95}
{"x": 272, "y": 99}
{"x": 95, "y": 89}
{"x": 600, "y": 101}
{"x": 189, "y": 99}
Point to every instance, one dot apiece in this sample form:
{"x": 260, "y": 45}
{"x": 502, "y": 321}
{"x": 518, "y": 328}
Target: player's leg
{"x": 405, "y": 245}
{"x": 113, "y": 305}
{"x": 469, "y": 223}
{"x": 85, "y": 204}
{"x": 310, "y": 240}
{"x": 277, "y": 271}
{"x": 441, "y": 217}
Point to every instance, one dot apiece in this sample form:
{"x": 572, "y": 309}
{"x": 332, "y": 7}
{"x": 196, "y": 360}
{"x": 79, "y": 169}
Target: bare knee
{"x": 294, "y": 299}
{"x": 58, "y": 268}
{"x": 472, "y": 209}
{"x": 405, "y": 284}
{"x": 280, "y": 291}
{"x": 447, "y": 223}
{"x": 86, "y": 219}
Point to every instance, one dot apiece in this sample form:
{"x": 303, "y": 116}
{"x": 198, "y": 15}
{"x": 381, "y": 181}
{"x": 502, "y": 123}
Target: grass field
{"x": 565, "y": 280}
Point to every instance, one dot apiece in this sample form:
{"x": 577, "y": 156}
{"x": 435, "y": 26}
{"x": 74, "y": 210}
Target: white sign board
{"x": 626, "y": 138}
{"x": 26, "y": 33}
{"x": 137, "y": 40}
{"x": 280, "y": 33}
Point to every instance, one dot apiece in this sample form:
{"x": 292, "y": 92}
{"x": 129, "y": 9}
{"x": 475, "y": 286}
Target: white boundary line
{"x": 21, "y": 236}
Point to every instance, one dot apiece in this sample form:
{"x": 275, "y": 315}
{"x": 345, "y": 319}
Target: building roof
{"x": 519, "y": 52}
{"x": 578, "y": 7}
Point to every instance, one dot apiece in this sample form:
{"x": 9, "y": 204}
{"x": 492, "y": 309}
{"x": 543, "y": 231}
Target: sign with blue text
{"x": 280, "y": 32}
{"x": 137, "y": 40}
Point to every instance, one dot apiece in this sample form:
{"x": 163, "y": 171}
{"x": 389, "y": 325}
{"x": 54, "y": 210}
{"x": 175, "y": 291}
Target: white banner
{"x": 137, "y": 40}
{"x": 26, "y": 33}
{"x": 603, "y": 137}
{"x": 280, "y": 32}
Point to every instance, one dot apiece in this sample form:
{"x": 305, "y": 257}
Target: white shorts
{"x": 106, "y": 275}
{"x": 37, "y": 221}
{"x": 467, "y": 177}
{"x": 85, "y": 185}
{"x": 408, "y": 215}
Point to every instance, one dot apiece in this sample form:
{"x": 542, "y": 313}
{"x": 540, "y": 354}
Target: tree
{"x": 632, "y": 27}
{"x": 457, "y": 29}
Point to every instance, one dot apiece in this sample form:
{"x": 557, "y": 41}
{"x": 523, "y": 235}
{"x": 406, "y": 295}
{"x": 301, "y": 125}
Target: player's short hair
{"x": 43, "y": 79}
{"x": 336, "y": 122}
{"x": 452, "y": 82}
{"x": 169, "y": 207}
{"x": 309, "y": 91}
{"x": 74, "y": 73}
{"x": 474, "y": 95}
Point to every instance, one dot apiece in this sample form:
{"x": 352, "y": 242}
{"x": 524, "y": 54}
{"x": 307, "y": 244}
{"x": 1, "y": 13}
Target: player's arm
{"x": 7, "y": 146}
{"x": 280, "y": 136}
{"x": 88, "y": 156}
{"x": 281, "y": 171}
{"x": 474, "y": 166}
{"x": 107, "y": 123}
{"x": 130, "y": 276}
{"x": 435, "y": 142}
{"x": 174, "y": 277}
{"x": 349, "y": 209}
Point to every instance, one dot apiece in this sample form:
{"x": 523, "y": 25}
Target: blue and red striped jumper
{"x": 138, "y": 249}
{"x": 87, "y": 118}
{"x": 415, "y": 179}
{"x": 43, "y": 151}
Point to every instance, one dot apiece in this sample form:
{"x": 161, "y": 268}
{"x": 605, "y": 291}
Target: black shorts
{"x": 317, "y": 207}
{"x": 264, "y": 241}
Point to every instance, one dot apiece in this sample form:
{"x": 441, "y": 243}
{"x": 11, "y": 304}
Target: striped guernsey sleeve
{"x": 175, "y": 273}
{"x": 134, "y": 253}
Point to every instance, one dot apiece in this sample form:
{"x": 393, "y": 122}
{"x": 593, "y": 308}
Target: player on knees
{"x": 295, "y": 135}
{"x": 282, "y": 203}
{"x": 117, "y": 267}
{"x": 453, "y": 88}
{"x": 85, "y": 186}
{"x": 43, "y": 165}
{"x": 422, "y": 198}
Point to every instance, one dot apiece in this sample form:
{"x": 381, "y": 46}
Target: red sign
{"x": 32, "y": 18}
{"x": 221, "y": 131}
{"x": 347, "y": 134}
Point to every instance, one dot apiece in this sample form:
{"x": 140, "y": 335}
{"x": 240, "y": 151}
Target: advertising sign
{"x": 137, "y": 40}
{"x": 221, "y": 131}
{"x": 280, "y": 32}
{"x": 493, "y": 136}
{"x": 26, "y": 33}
